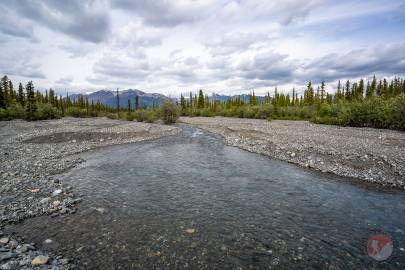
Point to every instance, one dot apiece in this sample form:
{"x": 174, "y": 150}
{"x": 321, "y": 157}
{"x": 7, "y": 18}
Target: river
{"x": 189, "y": 201}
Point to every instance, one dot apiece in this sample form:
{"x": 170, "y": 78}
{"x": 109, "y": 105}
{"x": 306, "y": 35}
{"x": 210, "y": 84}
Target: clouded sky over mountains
{"x": 221, "y": 46}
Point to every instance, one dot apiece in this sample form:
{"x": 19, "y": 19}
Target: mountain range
{"x": 109, "y": 98}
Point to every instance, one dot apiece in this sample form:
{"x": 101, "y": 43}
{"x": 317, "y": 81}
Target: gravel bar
{"x": 31, "y": 154}
{"x": 372, "y": 155}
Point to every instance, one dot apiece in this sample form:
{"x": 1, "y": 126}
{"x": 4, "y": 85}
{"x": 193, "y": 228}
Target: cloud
{"x": 65, "y": 81}
{"x": 76, "y": 50}
{"x": 88, "y": 22}
{"x": 237, "y": 41}
{"x": 283, "y": 12}
{"x": 13, "y": 26}
{"x": 165, "y": 13}
{"x": 22, "y": 66}
{"x": 384, "y": 60}
{"x": 133, "y": 36}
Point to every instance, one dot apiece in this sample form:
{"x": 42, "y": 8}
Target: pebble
{"x": 56, "y": 203}
{"x": 39, "y": 260}
{"x": 56, "y": 192}
{"x": 48, "y": 241}
{"x": 4, "y": 240}
{"x": 100, "y": 210}
{"x": 45, "y": 200}
{"x": 190, "y": 231}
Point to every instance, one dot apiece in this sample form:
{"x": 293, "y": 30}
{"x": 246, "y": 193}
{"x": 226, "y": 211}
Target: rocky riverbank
{"x": 371, "y": 155}
{"x": 32, "y": 153}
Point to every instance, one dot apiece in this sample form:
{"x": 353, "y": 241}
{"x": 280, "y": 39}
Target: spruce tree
{"x": 136, "y": 102}
{"x": 200, "y": 102}
{"x": 31, "y": 101}
{"x": 20, "y": 96}
{"x": 129, "y": 105}
{"x": 339, "y": 91}
{"x": 385, "y": 90}
{"x": 62, "y": 105}
{"x": 87, "y": 106}
{"x": 348, "y": 94}
{"x": 293, "y": 97}
{"x": 359, "y": 92}
{"x": 2, "y": 98}
{"x": 368, "y": 91}
{"x": 46, "y": 100}
{"x": 182, "y": 103}
{"x": 118, "y": 102}
{"x": 4, "y": 82}
{"x": 52, "y": 97}
{"x": 379, "y": 88}
{"x": 323, "y": 92}
{"x": 12, "y": 96}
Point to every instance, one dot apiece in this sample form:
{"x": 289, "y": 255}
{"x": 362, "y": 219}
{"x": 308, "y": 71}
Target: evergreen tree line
{"x": 379, "y": 104}
{"x": 26, "y": 103}
{"x": 375, "y": 103}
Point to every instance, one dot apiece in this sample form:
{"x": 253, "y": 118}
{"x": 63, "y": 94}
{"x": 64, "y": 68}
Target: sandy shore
{"x": 372, "y": 155}
{"x": 31, "y": 153}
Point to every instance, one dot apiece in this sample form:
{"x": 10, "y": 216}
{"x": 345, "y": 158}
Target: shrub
{"x": 4, "y": 115}
{"x": 46, "y": 111}
{"x": 130, "y": 116}
{"x": 324, "y": 109}
{"x": 397, "y": 112}
{"x": 150, "y": 116}
{"x": 169, "y": 113}
{"x": 265, "y": 112}
{"x": 140, "y": 115}
{"x": 76, "y": 112}
{"x": 16, "y": 111}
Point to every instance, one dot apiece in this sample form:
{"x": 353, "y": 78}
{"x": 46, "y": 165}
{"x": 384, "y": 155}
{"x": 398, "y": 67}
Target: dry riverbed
{"x": 372, "y": 155}
{"x": 31, "y": 153}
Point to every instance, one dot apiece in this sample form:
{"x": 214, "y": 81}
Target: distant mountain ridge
{"x": 109, "y": 98}
{"x": 243, "y": 97}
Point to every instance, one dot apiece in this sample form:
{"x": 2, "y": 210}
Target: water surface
{"x": 189, "y": 201}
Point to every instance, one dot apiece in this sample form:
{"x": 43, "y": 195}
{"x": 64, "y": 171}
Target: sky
{"x": 220, "y": 46}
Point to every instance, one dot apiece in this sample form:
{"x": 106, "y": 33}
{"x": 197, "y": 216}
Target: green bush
{"x": 46, "y": 111}
{"x": 4, "y": 115}
{"x": 16, "y": 111}
{"x": 169, "y": 113}
{"x": 140, "y": 115}
{"x": 130, "y": 116}
{"x": 324, "y": 109}
{"x": 397, "y": 112}
{"x": 151, "y": 116}
{"x": 265, "y": 112}
{"x": 76, "y": 112}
